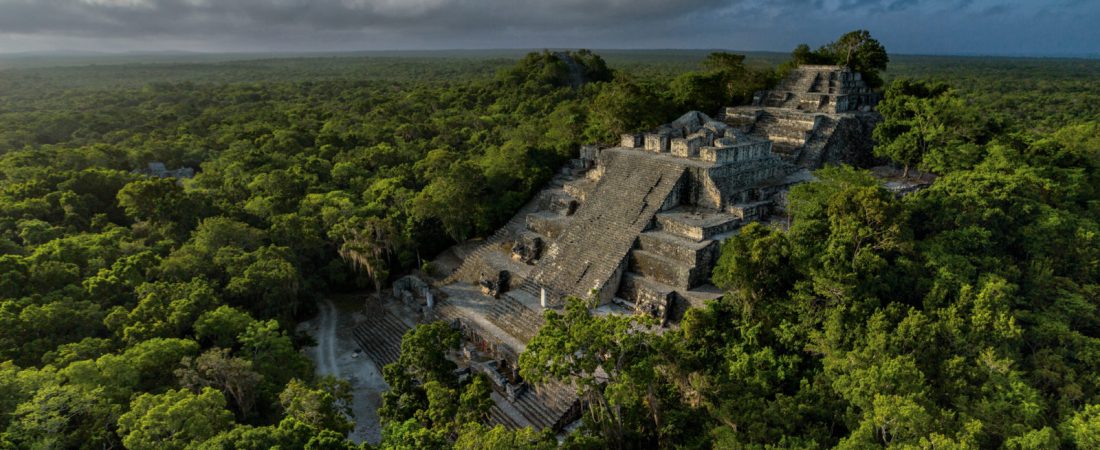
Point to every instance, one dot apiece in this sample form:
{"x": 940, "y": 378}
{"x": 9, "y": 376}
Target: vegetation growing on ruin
{"x": 149, "y": 313}
{"x": 856, "y": 50}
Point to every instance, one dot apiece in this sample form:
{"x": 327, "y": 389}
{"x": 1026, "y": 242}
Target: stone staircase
{"x": 811, "y": 154}
{"x": 826, "y": 83}
{"x": 787, "y": 132}
{"x": 551, "y": 405}
{"x": 813, "y": 89}
{"x": 510, "y": 313}
{"x": 789, "y": 92}
{"x": 470, "y": 310}
{"x": 797, "y": 136}
{"x": 380, "y": 337}
{"x": 799, "y": 81}
{"x": 497, "y": 416}
{"x": 597, "y": 240}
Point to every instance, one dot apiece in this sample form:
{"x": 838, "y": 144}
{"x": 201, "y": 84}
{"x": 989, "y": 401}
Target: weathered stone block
{"x": 689, "y": 147}
{"x": 687, "y": 251}
{"x": 527, "y": 249}
{"x": 657, "y": 142}
{"x": 680, "y": 147}
{"x": 697, "y": 227}
{"x": 632, "y": 141}
{"x": 716, "y": 128}
{"x": 661, "y": 269}
{"x": 494, "y": 285}
{"x": 750, "y": 211}
{"x": 652, "y": 299}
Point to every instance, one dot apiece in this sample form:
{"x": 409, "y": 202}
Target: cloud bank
{"x": 1040, "y": 27}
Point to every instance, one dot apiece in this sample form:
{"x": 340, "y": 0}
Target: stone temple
{"x": 637, "y": 227}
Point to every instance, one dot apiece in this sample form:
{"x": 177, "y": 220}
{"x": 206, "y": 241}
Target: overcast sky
{"x": 1006, "y": 27}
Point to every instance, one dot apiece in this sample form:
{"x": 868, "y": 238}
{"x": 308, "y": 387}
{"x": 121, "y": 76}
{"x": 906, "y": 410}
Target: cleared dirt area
{"x": 337, "y": 354}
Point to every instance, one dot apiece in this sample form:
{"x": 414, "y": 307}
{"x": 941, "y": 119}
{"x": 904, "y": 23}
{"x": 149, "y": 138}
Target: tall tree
{"x": 217, "y": 369}
{"x": 366, "y": 245}
{"x": 173, "y": 420}
{"x": 912, "y": 124}
{"x": 611, "y": 360}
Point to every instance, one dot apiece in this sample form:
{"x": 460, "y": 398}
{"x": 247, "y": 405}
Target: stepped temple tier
{"x": 637, "y": 227}
{"x": 816, "y": 115}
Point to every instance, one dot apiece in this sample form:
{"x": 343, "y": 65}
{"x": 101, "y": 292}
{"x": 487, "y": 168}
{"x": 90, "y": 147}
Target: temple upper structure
{"x": 817, "y": 115}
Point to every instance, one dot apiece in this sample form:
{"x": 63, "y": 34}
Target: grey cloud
{"x": 217, "y": 25}
{"x": 902, "y": 5}
{"x": 136, "y": 17}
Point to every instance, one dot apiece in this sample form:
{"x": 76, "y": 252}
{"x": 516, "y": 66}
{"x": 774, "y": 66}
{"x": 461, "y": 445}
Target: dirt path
{"x": 337, "y": 355}
{"x": 326, "y": 340}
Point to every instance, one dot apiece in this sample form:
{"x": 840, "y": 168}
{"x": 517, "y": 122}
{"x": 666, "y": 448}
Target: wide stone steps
{"x": 596, "y": 241}
{"x": 473, "y": 265}
{"x": 499, "y": 417}
{"x": 548, "y": 406}
{"x": 557, "y": 394}
{"x": 800, "y": 81}
{"x": 514, "y": 317}
{"x": 539, "y": 414}
{"x": 815, "y": 146}
{"x": 380, "y": 338}
{"x": 781, "y": 99}
{"x": 499, "y": 342}
{"x": 528, "y": 287}
{"x": 776, "y": 129}
{"x": 537, "y": 409}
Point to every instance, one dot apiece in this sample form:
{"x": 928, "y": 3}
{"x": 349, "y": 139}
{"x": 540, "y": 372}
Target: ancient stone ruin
{"x": 816, "y": 115}
{"x": 637, "y": 227}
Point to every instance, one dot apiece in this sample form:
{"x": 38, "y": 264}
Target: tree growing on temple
{"x": 856, "y": 50}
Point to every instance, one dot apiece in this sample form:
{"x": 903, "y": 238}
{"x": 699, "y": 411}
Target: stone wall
{"x": 851, "y": 142}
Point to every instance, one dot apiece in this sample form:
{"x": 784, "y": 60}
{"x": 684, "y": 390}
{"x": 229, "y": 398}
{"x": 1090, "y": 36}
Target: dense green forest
{"x": 146, "y": 312}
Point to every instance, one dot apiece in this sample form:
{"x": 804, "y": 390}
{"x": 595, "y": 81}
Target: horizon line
{"x": 171, "y": 52}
